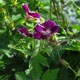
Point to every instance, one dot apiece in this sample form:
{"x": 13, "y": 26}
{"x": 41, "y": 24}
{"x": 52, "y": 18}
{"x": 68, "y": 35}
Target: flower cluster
{"x": 41, "y": 31}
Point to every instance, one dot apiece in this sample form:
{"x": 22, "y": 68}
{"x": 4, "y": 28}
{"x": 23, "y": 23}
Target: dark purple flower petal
{"x": 37, "y": 35}
{"x": 54, "y": 29}
{"x": 30, "y": 35}
{"x": 34, "y": 14}
{"x": 49, "y": 24}
{"x": 38, "y": 28}
{"x": 24, "y": 31}
{"x": 30, "y": 13}
{"x": 45, "y": 30}
{"x": 25, "y": 7}
{"x": 45, "y": 36}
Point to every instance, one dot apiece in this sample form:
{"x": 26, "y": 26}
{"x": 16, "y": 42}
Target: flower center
{"x": 46, "y": 32}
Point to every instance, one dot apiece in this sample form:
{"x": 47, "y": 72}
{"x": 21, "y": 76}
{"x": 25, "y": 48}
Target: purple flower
{"x": 30, "y": 13}
{"x": 24, "y": 31}
{"x": 42, "y": 31}
{"x": 45, "y": 30}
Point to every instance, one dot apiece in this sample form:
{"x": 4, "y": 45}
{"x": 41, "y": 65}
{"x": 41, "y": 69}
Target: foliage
{"x": 31, "y": 59}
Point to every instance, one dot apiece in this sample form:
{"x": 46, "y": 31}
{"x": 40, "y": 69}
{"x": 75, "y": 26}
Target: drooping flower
{"x": 45, "y": 30}
{"x": 30, "y": 13}
{"x": 24, "y": 31}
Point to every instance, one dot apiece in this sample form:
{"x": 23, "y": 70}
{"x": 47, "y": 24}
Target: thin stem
{"x": 55, "y": 9}
{"x": 72, "y": 70}
{"x": 32, "y": 44}
{"x": 57, "y": 13}
{"x": 62, "y": 13}
{"x": 58, "y": 53}
{"x": 54, "y": 6}
{"x": 40, "y": 46}
{"x": 60, "y": 60}
{"x": 50, "y": 9}
{"x": 75, "y": 4}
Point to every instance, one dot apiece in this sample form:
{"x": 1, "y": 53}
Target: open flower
{"x": 30, "y": 13}
{"x": 42, "y": 31}
{"x": 24, "y": 31}
{"x": 45, "y": 30}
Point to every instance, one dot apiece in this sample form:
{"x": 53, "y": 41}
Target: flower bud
{"x": 74, "y": 35}
{"x": 65, "y": 63}
{"x": 58, "y": 45}
{"x": 11, "y": 25}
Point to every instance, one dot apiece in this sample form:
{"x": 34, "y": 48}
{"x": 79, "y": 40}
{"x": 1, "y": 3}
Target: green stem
{"x": 50, "y": 9}
{"x": 72, "y": 70}
{"x": 68, "y": 66}
{"x": 40, "y": 46}
{"x": 57, "y": 13}
{"x": 62, "y": 13}
{"x": 32, "y": 44}
{"x": 55, "y": 9}
{"x": 58, "y": 53}
{"x": 75, "y": 4}
{"x": 54, "y": 6}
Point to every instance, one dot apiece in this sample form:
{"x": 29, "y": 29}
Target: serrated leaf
{"x": 42, "y": 60}
{"x": 24, "y": 51}
{"x": 50, "y": 74}
{"x": 34, "y": 70}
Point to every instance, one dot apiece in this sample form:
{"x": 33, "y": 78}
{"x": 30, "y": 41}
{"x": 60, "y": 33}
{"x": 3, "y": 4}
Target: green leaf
{"x": 34, "y": 71}
{"x": 16, "y": 17}
{"x": 45, "y": 2}
{"x": 42, "y": 60}
{"x": 78, "y": 73}
{"x": 62, "y": 31}
{"x": 4, "y": 77}
{"x": 24, "y": 51}
{"x": 63, "y": 73}
{"x": 7, "y": 53}
{"x": 21, "y": 76}
{"x": 50, "y": 74}
{"x": 78, "y": 78}
{"x": 76, "y": 27}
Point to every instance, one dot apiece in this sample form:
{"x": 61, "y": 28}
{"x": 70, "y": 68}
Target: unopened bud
{"x": 74, "y": 35}
{"x": 65, "y": 63}
{"x": 58, "y": 45}
{"x": 11, "y": 25}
